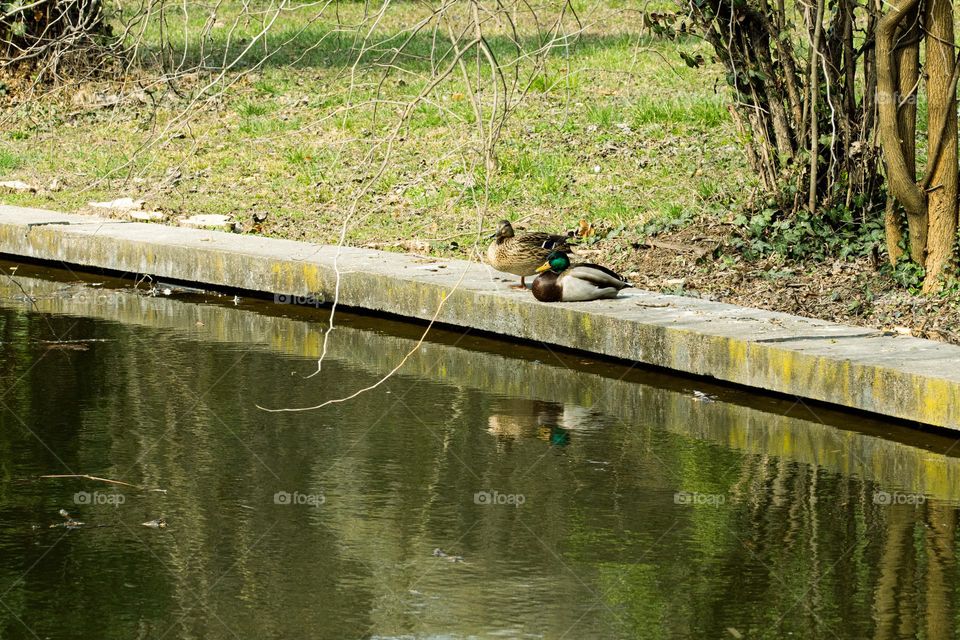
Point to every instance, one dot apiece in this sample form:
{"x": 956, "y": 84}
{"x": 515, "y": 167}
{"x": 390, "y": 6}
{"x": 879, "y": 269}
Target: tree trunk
{"x": 942, "y": 128}
{"x": 892, "y": 219}
{"x": 907, "y": 71}
{"x": 901, "y": 181}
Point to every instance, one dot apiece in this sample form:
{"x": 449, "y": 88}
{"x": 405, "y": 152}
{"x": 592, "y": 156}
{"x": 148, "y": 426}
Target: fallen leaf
{"x": 585, "y": 229}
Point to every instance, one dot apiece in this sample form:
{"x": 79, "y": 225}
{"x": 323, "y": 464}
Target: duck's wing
{"x": 589, "y": 282}
{"x": 598, "y": 275}
{"x": 547, "y": 241}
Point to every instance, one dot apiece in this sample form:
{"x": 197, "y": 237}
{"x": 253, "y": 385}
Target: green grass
{"x": 704, "y": 112}
{"x": 251, "y": 109}
{"x": 615, "y": 130}
{"x": 8, "y": 161}
{"x": 604, "y": 115}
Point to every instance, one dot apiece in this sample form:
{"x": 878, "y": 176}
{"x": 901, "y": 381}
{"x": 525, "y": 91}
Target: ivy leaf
{"x": 693, "y": 62}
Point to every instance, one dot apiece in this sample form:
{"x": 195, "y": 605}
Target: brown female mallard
{"x": 560, "y": 282}
{"x": 521, "y": 254}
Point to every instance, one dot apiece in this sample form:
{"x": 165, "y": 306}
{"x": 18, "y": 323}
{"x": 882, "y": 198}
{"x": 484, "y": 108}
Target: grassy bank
{"x": 615, "y": 129}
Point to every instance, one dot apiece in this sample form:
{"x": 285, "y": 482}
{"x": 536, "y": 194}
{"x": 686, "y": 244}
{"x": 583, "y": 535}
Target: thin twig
{"x": 85, "y": 476}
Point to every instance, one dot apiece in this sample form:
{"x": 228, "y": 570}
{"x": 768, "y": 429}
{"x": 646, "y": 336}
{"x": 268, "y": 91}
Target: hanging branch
{"x": 814, "y": 120}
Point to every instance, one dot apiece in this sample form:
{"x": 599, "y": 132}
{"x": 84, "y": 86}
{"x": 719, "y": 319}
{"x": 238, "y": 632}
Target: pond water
{"x": 486, "y": 490}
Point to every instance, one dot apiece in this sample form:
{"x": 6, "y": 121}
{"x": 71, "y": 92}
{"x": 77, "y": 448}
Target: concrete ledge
{"x": 848, "y": 366}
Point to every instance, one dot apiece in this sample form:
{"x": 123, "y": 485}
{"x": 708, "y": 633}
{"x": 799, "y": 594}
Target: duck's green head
{"x": 557, "y": 262}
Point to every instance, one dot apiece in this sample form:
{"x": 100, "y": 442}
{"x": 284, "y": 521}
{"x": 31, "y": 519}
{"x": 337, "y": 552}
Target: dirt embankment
{"x": 698, "y": 260}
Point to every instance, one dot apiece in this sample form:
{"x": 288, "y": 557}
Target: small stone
{"x": 120, "y": 204}
{"x": 145, "y": 216}
{"x": 17, "y": 185}
{"x": 209, "y": 221}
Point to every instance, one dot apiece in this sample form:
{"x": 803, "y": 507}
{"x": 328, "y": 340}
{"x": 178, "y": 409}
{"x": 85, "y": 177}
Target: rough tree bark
{"x": 931, "y": 205}
{"x": 942, "y": 128}
{"x": 901, "y": 181}
{"x": 906, "y": 71}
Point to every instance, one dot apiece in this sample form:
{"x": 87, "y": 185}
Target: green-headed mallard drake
{"x": 560, "y": 282}
{"x": 521, "y": 254}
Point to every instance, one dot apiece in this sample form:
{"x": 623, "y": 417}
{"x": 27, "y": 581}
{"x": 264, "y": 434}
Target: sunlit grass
{"x": 8, "y": 160}
{"x": 612, "y": 130}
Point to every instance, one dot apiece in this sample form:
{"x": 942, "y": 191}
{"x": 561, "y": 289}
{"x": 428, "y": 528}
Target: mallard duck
{"x": 560, "y": 282}
{"x": 521, "y": 254}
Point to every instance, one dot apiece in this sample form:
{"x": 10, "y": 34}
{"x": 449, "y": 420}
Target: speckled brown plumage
{"x": 521, "y": 254}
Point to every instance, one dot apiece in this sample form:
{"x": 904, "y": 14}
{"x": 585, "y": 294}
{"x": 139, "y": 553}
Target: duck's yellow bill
{"x": 543, "y": 267}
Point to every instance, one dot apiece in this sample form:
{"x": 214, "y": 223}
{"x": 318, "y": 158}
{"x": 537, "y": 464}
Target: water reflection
{"x": 582, "y": 505}
{"x": 552, "y": 422}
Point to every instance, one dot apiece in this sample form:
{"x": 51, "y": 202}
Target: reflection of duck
{"x": 506, "y": 427}
{"x": 556, "y": 436}
{"x": 551, "y": 422}
{"x": 509, "y": 429}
